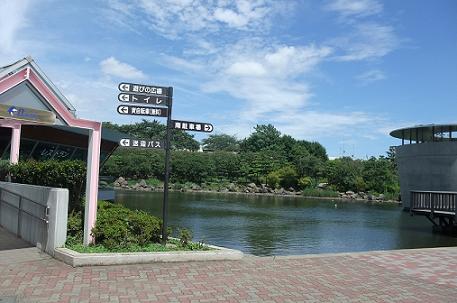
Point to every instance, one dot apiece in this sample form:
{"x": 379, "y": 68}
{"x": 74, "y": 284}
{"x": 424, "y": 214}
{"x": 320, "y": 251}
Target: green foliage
{"x": 185, "y": 236}
{"x": 285, "y": 177}
{"x": 63, "y": 174}
{"x": 342, "y": 173}
{"x": 154, "y": 129}
{"x": 193, "y": 167}
{"x": 379, "y": 175}
{"x": 221, "y": 142}
{"x": 174, "y": 245}
{"x": 264, "y": 137}
{"x": 75, "y": 226}
{"x": 138, "y": 164}
{"x": 266, "y": 156}
{"x": 273, "y": 179}
{"x": 305, "y": 182}
{"x": 288, "y": 177}
{"x": 315, "y": 192}
{"x": 4, "y": 169}
{"x": 117, "y": 226}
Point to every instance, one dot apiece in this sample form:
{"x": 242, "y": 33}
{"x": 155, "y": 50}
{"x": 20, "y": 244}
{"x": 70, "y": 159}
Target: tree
{"x": 306, "y": 163}
{"x": 342, "y": 173}
{"x": 263, "y": 137}
{"x": 379, "y": 175}
{"x": 222, "y": 142}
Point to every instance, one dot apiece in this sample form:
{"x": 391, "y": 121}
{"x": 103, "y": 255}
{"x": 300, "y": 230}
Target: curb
{"x": 77, "y": 259}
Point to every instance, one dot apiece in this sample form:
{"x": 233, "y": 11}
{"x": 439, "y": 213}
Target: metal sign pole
{"x": 167, "y": 167}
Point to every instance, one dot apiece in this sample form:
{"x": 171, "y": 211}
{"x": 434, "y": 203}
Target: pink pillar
{"x": 15, "y": 143}
{"x": 93, "y": 163}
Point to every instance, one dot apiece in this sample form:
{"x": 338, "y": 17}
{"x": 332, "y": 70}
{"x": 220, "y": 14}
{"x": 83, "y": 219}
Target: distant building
{"x": 427, "y": 159}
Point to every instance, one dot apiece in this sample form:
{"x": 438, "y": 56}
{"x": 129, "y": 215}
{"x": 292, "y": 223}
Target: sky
{"x": 341, "y": 72}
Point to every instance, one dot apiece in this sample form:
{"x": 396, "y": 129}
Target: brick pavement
{"x": 425, "y": 275}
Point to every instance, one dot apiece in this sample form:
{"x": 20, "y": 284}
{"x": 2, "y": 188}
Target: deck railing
{"x": 434, "y": 201}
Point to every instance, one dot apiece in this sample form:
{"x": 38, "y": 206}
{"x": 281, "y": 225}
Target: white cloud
{"x": 181, "y": 64}
{"x": 355, "y": 8}
{"x": 266, "y": 77}
{"x": 367, "y": 41}
{"x": 113, "y": 67}
{"x": 12, "y": 21}
{"x": 173, "y": 18}
{"x": 371, "y": 76}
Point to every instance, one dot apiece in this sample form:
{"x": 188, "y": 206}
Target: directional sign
{"x": 193, "y": 126}
{"x": 159, "y": 91}
{"x": 128, "y": 142}
{"x": 147, "y": 99}
{"x": 142, "y": 111}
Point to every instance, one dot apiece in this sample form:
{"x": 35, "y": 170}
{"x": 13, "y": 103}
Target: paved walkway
{"x": 425, "y": 275}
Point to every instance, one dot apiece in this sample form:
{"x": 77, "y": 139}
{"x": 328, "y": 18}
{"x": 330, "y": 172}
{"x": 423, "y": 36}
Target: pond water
{"x": 265, "y": 225}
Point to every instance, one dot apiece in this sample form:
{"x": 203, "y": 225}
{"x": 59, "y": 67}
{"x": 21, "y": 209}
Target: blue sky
{"x": 340, "y": 72}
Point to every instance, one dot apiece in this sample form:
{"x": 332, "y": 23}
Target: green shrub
{"x": 314, "y": 192}
{"x": 305, "y": 182}
{"x": 4, "y": 169}
{"x": 286, "y": 177}
{"x": 118, "y": 226}
{"x": 75, "y": 226}
{"x": 63, "y": 174}
{"x": 273, "y": 179}
{"x": 185, "y": 236}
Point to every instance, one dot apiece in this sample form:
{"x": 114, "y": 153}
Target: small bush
{"x": 273, "y": 179}
{"x": 75, "y": 226}
{"x": 305, "y": 182}
{"x": 185, "y": 236}
{"x": 118, "y": 226}
{"x": 63, "y": 174}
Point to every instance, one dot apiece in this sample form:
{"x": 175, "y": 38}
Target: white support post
{"x": 15, "y": 143}
{"x": 93, "y": 163}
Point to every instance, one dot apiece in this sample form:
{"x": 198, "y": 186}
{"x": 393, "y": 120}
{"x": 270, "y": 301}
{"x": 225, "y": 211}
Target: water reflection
{"x": 262, "y": 225}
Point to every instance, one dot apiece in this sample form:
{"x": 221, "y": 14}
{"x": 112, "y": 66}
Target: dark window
{"x": 26, "y": 149}
{"x": 80, "y": 154}
{"x": 6, "y": 153}
{"x": 63, "y": 152}
{"x": 44, "y": 151}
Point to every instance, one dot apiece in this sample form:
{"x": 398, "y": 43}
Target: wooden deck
{"x": 438, "y": 207}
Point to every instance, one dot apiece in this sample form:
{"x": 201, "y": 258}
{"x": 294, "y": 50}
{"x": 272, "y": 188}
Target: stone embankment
{"x": 251, "y": 188}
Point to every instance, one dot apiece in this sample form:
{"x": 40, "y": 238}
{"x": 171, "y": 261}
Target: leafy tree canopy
{"x": 221, "y": 142}
{"x": 263, "y": 137}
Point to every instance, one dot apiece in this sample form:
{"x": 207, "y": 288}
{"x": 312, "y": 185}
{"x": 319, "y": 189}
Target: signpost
{"x": 162, "y": 96}
{"x": 142, "y": 111}
{"x": 128, "y": 142}
{"x": 145, "y": 99}
{"x": 193, "y": 126}
{"x": 158, "y": 91}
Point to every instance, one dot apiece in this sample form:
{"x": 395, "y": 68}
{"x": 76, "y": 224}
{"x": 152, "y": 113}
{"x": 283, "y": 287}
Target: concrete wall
{"x": 47, "y": 236}
{"x": 430, "y": 166}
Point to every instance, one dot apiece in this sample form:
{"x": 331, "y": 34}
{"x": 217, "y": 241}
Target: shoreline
{"x": 341, "y": 199}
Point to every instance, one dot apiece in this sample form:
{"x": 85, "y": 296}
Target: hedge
{"x": 63, "y": 174}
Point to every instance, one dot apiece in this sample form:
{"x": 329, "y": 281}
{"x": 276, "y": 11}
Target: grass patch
{"x": 314, "y": 192}
{"x": 172, "y": 245}
{"x": 153, "y": 182}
